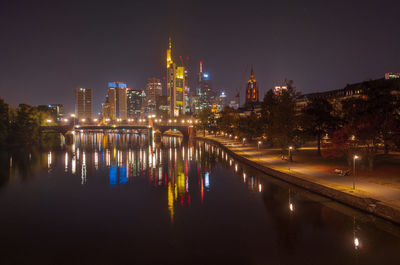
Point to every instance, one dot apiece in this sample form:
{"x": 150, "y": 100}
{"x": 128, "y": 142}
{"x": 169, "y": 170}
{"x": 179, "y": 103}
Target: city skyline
{"x": 304, "y": 45}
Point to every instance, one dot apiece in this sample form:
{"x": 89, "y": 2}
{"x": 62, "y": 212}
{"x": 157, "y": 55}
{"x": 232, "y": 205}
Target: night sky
{"x": 48, "y": 48}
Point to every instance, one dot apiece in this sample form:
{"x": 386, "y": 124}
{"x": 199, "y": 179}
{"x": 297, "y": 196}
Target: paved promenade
{"x": 384, "y": 193}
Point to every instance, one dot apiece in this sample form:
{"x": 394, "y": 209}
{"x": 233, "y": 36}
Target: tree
{"x": 228, "y": 120}
{"x": 4, "y": 122}
{"x": 25, "y": 126}
{"x": 249, "y": 127}
{"x": 280, "y": 117}
{"x": 317, "y": 120}
{"x": 372, "y": 118}
{"x": 206, "y": 120}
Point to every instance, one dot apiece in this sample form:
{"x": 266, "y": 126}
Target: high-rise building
{"x": 175, "y": 85}
{"x": 153, "y": 92}
{"x": 83, "y": 103}
{"x": 107, "y": 111}
{"x": 135, "y": 99}
{"x": 205, "y": 96}
{"x": 116, "y": 95}
{"x": 252, "y": 90}
{"x": 221, "y": 101}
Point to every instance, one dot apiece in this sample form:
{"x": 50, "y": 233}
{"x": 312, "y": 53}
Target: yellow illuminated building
{"x": 175, "y": 85}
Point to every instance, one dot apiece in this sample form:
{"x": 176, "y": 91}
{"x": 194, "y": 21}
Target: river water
{"x": 113, "y": 199}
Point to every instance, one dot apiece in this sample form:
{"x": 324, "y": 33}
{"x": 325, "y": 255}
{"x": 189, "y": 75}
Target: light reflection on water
{"x": 205, "y": 192}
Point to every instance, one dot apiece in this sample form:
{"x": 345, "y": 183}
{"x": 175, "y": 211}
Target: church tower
{"x": 252, "y": 90}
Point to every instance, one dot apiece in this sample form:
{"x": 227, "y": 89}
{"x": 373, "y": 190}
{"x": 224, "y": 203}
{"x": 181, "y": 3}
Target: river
{"x": 114, "y": 199}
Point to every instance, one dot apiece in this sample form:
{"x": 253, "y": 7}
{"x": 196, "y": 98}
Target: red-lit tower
{"x": 252, "y": 90}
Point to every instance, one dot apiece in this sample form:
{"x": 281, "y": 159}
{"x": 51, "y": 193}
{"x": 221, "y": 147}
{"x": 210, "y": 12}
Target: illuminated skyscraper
{"x": 83, "y": 103}
{"x": 116, "y": 95}
{"x": 135, "y": 99}
{"x": 175, "y": 85}
{"x": 252, "y": 90}
{"x": 205, "y": 96}
{"x": 153, "y": 92}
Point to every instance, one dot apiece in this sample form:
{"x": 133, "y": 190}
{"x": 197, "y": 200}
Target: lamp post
{"x": 290, "y": 155}
{"x": 258, "y": 145}
{"x": 73, "y": 116}
{"x": 355, "y": 157}
{"x": 244, "y": 140}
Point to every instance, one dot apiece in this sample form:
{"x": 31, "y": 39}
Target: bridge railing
{"x": 127, "y": 122}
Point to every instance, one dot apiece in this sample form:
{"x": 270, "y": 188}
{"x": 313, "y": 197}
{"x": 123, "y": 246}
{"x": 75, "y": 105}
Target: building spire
{"x": 251, "y": 73}
{"x": 169, "y": 54}
{"x": 201, "y": 66}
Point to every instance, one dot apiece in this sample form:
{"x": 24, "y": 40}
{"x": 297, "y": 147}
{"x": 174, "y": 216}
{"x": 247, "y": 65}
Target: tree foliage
{"x": 280, "y": 117}
{"x": 206, "y": 120}
{"x": 372, "y": 119}
{"x": 317, "y": 120}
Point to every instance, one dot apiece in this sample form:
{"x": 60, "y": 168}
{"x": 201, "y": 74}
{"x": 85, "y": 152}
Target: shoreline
{"x": 359, "y": 200}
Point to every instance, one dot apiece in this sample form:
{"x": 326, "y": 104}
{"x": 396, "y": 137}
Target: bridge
{"x": 186, "y": 129}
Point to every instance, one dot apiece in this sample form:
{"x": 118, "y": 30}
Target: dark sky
{"x": 47, "y": 48}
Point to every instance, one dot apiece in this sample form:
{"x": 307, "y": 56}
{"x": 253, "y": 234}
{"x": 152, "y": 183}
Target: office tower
{"x": 116, "y": 95}
{"x": 135, "y": 100}
{"x": 83, "y": 103}
{"x": 221, "y": 101}
{"x": 107, "y": 111}
{"x": 153, "y": 91}
{"x": 205, "y": 95}
{"x": 251, "y": 90}
{"x": 175, "y": 85}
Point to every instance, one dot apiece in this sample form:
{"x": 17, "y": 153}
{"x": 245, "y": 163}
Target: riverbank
{"x": 376, "y": 199}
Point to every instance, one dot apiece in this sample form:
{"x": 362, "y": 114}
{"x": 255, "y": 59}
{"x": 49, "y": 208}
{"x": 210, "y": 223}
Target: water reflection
{"x": 206, "y": 192}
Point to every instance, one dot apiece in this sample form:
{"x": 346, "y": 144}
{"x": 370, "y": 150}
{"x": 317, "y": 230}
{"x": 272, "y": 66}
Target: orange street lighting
{"x": 49, "y": 121}
{"x": 356, "y": 243}
{"x": 83, "y": 120}
{"x": 355, "y": 157}
{"x": 290, "y": 149}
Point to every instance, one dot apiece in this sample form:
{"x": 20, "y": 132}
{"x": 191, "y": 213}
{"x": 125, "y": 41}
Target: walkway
{"x": 344, "y": 183}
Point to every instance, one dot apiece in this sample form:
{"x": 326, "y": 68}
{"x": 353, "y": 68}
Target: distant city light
{"x": 205, "y": 75}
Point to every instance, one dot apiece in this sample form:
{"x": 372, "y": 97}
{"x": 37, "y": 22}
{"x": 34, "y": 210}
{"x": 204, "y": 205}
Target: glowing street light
{"x": 73, "y": 116}
{"x": 355, "y": 157}
{"x": 258, "y": 144}
{"x": 290, "y": 156}
{"x": 83, "y": 120}
{"x": 49, "y": 121}
{"x": 356, "y": 243}
{"x": 244, "y": 140}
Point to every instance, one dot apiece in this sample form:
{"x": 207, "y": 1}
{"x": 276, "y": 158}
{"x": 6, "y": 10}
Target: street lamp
{"x": 355, "y": 157}
{"x": 244, "y": 140}
{"x": 290, "y": 156}
{"x": 73, "y": 116}
{"x": 258, "y": 144}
